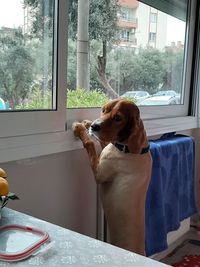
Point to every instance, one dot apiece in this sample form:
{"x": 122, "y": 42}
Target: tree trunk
{"x": 83, "y": 45}
{"x": 101, "y": 69}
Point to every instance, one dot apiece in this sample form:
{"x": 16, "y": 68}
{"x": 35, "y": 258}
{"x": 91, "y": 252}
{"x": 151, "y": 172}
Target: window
{"x": 152, "y": 37}
{"x": 32, "y": 87}
{"x": 125, "y": 35}
{"x": 26, "y": 52}
{"x": 99, "y": 69}
{"x": 125, "y": 14}
{"x": 153, "y": 17}
{"x": 159, "y": 61}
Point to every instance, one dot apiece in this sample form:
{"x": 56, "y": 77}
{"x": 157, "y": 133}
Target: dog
{"x": 123, "y": 170}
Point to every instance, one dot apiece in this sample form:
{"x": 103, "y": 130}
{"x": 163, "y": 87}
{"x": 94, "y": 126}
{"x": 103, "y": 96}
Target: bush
{"x": 78, "y": 98}
{"x": 81, "y": 98}
{"x": 37, "y": 100}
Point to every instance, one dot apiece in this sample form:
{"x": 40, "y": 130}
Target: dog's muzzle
{"x": 96, "y": 125}
{"x": 95, "y": 128}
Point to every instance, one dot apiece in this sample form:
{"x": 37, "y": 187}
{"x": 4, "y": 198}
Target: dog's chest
{"x": 114, "y": 164}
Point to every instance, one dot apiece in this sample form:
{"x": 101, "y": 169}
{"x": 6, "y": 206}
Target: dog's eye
{"x": 103, "y": 110}
{"x": 117, "y": 118}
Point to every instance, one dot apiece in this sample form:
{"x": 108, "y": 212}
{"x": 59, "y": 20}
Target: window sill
{"x": 23, "y": 147}
{"x": 161, "y": 126}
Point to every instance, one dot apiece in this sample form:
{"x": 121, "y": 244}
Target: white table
{"x": 73, "y": 249}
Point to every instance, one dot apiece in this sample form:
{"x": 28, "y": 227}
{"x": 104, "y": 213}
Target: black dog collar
{"x": 125, "y": 149}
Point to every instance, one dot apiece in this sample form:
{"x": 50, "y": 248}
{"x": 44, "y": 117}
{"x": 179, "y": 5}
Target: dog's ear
{"x": 137, "y": 138}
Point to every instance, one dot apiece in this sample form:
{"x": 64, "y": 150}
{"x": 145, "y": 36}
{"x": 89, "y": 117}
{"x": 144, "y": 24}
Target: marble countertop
{"x": 73, "y": 249}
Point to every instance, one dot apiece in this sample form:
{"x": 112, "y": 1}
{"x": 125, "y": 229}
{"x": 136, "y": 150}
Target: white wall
{"x": 144, "y": 27}
{"x": 58, "y": 188}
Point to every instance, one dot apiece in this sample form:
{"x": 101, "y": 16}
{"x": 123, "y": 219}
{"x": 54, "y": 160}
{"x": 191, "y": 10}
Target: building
{"x": 141, "y": 25}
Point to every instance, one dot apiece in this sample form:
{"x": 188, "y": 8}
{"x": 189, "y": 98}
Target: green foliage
{"x": 37, "y": 100}
{"x": 71, "y": 68}
{"x": 142, "y": 71}
{"x": 151, "y": 70}
{"x": 102, "y": 20}
{"x": 75, "y": 99}
{"x": 82, "y": 98}
{"x": 41, "y": 13}
{"x": 125, "y": 70}
{"x": 16, "y": 74}
{"x": 173, "y": 70}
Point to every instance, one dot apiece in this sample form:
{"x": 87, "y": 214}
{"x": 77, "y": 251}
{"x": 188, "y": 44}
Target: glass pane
{"x": 26, "y": 60}
{"x": 134, "y": 51}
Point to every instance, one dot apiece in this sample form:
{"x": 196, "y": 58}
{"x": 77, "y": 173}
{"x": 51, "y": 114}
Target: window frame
{"x": 16, "y": 123}
{"x": 28, "y": 144}
{"x": 37, "y": 122}
{"x": 156, "y": 112}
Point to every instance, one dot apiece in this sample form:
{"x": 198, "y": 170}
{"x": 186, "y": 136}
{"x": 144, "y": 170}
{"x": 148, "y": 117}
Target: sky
{"x": 175, "y": 30}
{"x": 11, "y": 14}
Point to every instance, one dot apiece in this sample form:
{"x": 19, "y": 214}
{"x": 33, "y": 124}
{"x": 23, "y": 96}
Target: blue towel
{"x": 170, "y": 197}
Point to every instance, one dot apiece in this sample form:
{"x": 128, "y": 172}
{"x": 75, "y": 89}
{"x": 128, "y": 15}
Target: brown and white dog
{"x": 123, "y": 170}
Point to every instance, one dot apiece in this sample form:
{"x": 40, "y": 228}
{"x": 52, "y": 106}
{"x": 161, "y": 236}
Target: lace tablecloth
{"x": 73, "y": 249}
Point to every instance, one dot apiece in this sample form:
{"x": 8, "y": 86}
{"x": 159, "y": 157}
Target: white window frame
{"x": 16, "y": 123}
{"x": 38, "y": 141}
{"x": 156, "y": 112}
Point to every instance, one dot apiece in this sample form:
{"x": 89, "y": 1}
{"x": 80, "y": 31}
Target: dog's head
{"x": 120, "y": 122}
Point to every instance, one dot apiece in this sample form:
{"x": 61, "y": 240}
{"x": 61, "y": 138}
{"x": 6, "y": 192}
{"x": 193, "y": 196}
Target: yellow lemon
{"x": 4, "y": 188}
{"x": 3, "y": 173}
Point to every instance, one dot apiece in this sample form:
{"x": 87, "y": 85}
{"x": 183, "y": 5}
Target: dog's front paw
{"x": 87, "y": 123}
{"x": 77, "y": 128}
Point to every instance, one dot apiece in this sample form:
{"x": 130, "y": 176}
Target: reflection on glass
{"x": 26, "y": 47}
{"x": 134, "y": 51}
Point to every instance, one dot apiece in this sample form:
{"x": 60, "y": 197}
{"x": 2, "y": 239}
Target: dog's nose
{"x": 95, "y": 126}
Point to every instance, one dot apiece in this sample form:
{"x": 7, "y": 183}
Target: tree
{"x": 82, "y": 71}
{"x": 174, "y": 70}
{"x": 41, "y": 13}
{"x": 151, "y": 70}
{"x": 102, "y": 27}
{"x": 71, "y": 70}
{"x": 16, "y": 63}
{"x": 142, "y": 71}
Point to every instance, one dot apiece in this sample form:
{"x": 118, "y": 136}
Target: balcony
{"x": 127, "y": 24}
{"x": 128, "y": 3}
{"x": 125, "y": 42}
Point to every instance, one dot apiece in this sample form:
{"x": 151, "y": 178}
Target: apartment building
{"x": 141, "y": 25}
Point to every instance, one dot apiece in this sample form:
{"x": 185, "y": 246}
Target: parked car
{"x": 159, "y": 100}
{"x": 137, "y": 95}
{"x": 167, "y": 92}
